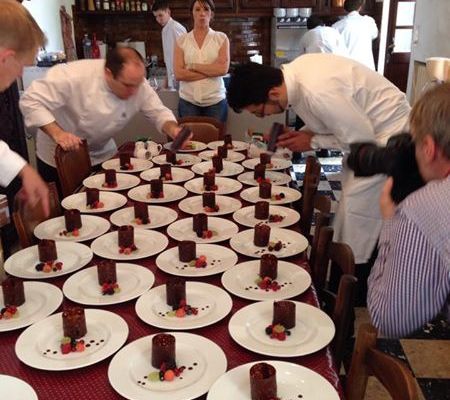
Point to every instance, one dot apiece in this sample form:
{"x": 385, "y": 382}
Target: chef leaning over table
{"x": 91, "y": 99}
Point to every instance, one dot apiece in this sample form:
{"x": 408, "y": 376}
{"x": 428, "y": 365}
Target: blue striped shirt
{"x": 410, "y": 281}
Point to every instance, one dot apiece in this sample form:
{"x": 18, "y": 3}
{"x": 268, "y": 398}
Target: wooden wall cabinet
{"x": 258, "y": 4}
{"x": 225, "y": 5}
{"x": 299, "y": 3}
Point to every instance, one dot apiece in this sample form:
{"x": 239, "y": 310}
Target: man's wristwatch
{"x": 314, "y": 144}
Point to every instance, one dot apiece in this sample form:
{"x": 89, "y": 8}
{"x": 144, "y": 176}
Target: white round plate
{"x": 252, "y": 195}
{"x": 218, "y": 258}
{"x": 212, "y": 302}
{"x": 313, "y": 330}
{"x": 293, "y": 382}
{"x": 133, "y": 281}
{"x": 186, "y": 160}
{"x": 148, "y": 243}
{"x": 224, "y": 185}
{"x": 246, "y": 216}
{"x": 237, "y": 145}
{"x": 232, "y": 156}
{"x": 194, "y": 205}
{"x": 91, "y": 227}
{"x": 159, "y": 216}
{"x": 276, "y": 164}
{"x": 108, "y": 331}
{"x": 207, "y": 360}
{"x": 41, "y": 299}
{"x": 73, "y": 256}
{"x": 276, "y": 178}
{"x": 110, "y": 200}
{"x": 124, "y": 181}
{"x": 13, "y": 388}
{"x": 171, "y": 193}
{"x": 192, "y": 146}
{"x": 137, "y": 163}
{"x": 293, "y": 243}
{"x": 182, "y": 230}
{"x": 178, "y": 175}
{"x": 240, "y": 280}
{"x": 229, "y": 168}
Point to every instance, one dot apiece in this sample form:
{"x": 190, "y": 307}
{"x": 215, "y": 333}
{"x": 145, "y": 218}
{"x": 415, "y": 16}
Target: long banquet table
{"x": 92, "y": 382}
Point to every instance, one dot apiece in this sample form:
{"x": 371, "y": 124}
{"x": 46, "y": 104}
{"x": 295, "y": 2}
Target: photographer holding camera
{"x": 410, "y": 282}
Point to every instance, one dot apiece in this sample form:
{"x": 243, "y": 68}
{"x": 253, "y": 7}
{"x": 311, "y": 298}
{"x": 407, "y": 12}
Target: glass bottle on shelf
{"x": 87, "y": 46}
{"x": 106, "y": 5}
{"x": 91, "y": 5}
{"x": 144, "y": 6}
{"x": 127, "y": 5}
{"x": 113, "y": 5}
{"x": 133, "y": 5}
{"x": 138, "y": 5}
{"x": 98, "y": 5}
{"x": 95, "y": 48}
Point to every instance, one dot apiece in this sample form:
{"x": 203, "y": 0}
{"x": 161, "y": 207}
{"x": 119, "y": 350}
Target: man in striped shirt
{"x": 410, "y": 281}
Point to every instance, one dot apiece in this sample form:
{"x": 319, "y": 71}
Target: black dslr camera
{"x": 397, "y": 159}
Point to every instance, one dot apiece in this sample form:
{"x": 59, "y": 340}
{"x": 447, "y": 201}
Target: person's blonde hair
{"x": 18, "y": 29}
{"x": 431, "y": 116}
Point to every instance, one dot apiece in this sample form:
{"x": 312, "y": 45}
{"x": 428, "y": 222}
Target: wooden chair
{"x": 205, "y": 129}
{"x": 72, "y": 167}
{"x": 27, "y": 218}
{"x": 368, "y": 360}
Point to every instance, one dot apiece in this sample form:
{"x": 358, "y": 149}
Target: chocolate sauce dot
{"x": 190, "y": 368}
{"x": 207, "y": 306}
{"x": 88, "y": 345}
{"x": 48, "y": 350}
{"x": 145, "y": 377}
{"x": 97, "y": 344}
{"x": 246, "y": 288}
{"x": 300, "y": 396}
{"x": 181, "y": 377}
{"x": 139, "y": 382}
{"x": 55, "y": 352}
{"x": 195, "y": 364}
{"x": 143, "y": 383}
{"x": 92, "y": 341}
{"x": 102, "y": 340}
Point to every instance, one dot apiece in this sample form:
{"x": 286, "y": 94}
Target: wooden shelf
{"x": 121, "y": 13}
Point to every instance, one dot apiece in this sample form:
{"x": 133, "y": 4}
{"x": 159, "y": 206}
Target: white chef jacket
{"x": 344, "y": 102}
{"x": 10, "y": 164}
{"x": 170, "y": 33}
{"x": 323, "y": 39}
{"x": 77, "y": 97}
{"x": 358, "y": 32}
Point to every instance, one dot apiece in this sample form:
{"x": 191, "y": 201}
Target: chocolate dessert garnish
{"x": 209, "y": 180}
{"x": 265, "y": 190}
{"x": 171, "y": 157}
{"x": 126, "y": 236}
{"x": 110, "y": 177}
{"x": 268, "y": 266}
{"x": 262, "y": 210}
{"x": 13, "y": 292}
{"x": 217, "y": 164}
{"x": 222, "y": 151}
{"x": 263, "y": 383}
{"x": 141, "y": 212}
{"x": 284, "y": 313}
{"x": 72, "y": 219}
{"x": 106, "y": 272}
{"x": 163, "y": 350}
{"x": 265, "y": 158}
{"x": 47, "y": 250}
{"x": 200, "y": 223}
{"x": 187, "y": 250}
{"x": 209, "y": 199}
{"x": 74, "y": 322}
{"x": 92, "y": 197}
{"x": 156, "y": 188}
{"x": 175, "y": 291}
{"x": 260, "y": 172}
{"x": 262, "y": 235}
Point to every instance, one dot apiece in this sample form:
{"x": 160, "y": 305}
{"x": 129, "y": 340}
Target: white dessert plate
{"x": 276, "y": 164}
{"x": 222, "y": 230}
{"x": 159, "y": 216}
{"x": 212, "y": 303}
{"x": 73, "y": 256}
{"x": 148, "y": 243}
{"x": 83, "y": 287}
{"x": 246, "y": 216}
{"x": 237, "y": 145}
{"x": 171, "y": 193}
{"x": 229, "y": 168}
{"x": 130, "y": 365}
{"x": 293, "y": 243}
{"x": 91, "y": 227}
{"x": 232, "y": 156}
{"x": 41, "y": 299}
{"x": 137, "y": 163}
{"x": 110, "y": 200}
{"x": 39, "y": 345}
{"x": 224, "y": 185}
{"x": 183, "y": 160}
{"x": 124, "y": 181}
{"x": 13, "y": 388}
{"x": 290, "y": 195}
{"x": 276, "y": 178}
{"x": 293, "y": 382}
{"x": 240, "y": 280}
{"x": 218, "y": 258}
{"x": 192, "y": 146}
{"x": 194, "y": 205}
{"x": 178, "y": 175}
{"x": 313, "y": 330}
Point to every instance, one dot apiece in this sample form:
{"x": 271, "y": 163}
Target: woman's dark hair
{"x": 209, "y": 3}
{"x": 353, "y": 5}
{"x": 250, "y": 84}
{"x": 117, "y": 57}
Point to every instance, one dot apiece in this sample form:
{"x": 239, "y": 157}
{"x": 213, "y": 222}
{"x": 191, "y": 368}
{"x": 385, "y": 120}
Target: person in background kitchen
{"x": 91, "y": 99}
{"x": 20, "y": 39}
{"x": 202, "y": 57}
{"x": 341, "y": 101}
{"x": 358, "y": 32}
{"x": 171, "y": 31}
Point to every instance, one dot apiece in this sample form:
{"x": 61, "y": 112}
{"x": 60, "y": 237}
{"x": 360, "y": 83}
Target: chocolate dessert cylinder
{"x": 163, "y": 350}
{"x": 209, "y": 199}
{"x": 47, "y": 250}
{"x": 165, "y": 171}
{"x": 74, "y": 322}
{"x": 92, "y": 196}
{"x": 262, "y": 235}
{"x": 181, "y": 137}
{"x": 263, "y": 382}
{"x": 126, "y": 236}
{"x": 222, "y": 151}
{"x": 228, "y": 140}
{"x": 209, "y": 180}
{"x": 125, "y": 160}
{"x": 265, "y": 190}
{"x": 265, "y": 158}
{"x": 284, "y": 313}
{"x": 260, "y": 171}
{"x": 156, "y": 188}
{"x": 276, "y": 130}
{"x": 268, "y": 266}
{"x": 175, "y": 291}
{"x": 187, "y": 250}
{"x": 13, "y": 292}
{"x": 72, "y": 219}
{"x": 200, "y": 223}
{"x": 171, "y": 157}
{"x": 141, "y": 212}
{"x": 262, "y": 210}
{"x": 217, "y": 163}
{"x": 110, "y": 177}
{"x": 106, "y": 272}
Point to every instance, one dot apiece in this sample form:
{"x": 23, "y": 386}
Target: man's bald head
{"x": 118, "y": 57}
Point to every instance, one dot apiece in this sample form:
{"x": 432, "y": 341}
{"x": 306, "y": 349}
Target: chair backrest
{"x": 322, "y": 219}
{"x": 26, "y": 218}
{"x": 310, "y": 184}
{"x": 73, "y": 167}
{"x": 204, "y": 129}
{"x": 368, "y": 360}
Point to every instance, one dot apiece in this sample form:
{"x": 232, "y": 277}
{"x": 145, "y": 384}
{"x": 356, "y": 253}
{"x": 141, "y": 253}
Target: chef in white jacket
{"x": 340, "y": 101}
{"x": 358, "y": 32}
{"x": 91, "y": 99}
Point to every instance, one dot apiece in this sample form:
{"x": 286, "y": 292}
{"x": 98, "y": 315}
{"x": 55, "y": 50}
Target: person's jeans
{"x": 218, "y": 111}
